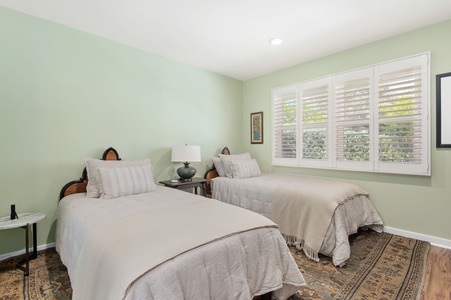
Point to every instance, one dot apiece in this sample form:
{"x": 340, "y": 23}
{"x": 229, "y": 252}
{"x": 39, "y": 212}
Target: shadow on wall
{"x": 425, "y": 181}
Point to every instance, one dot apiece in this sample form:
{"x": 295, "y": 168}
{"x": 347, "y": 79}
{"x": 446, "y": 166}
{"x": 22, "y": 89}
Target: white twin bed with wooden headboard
{"x": 316, "y": 215}
{"x": 123, "y": 237}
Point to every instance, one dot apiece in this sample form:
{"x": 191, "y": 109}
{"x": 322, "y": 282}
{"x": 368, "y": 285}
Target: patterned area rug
{"x": 48, "y": 279}
{"x": 382, "y": 267}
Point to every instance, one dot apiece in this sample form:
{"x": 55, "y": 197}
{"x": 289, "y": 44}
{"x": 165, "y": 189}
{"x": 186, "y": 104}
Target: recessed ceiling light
{"x": 276, "y": 41}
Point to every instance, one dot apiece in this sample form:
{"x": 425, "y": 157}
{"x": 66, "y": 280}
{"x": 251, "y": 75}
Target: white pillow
{"x": 245, "y": 168}
{"x": 92, "y": 189}
{"x": 124, "y": 181}
{"x": 226, "y": 159}
{"x": 219, "y": 166}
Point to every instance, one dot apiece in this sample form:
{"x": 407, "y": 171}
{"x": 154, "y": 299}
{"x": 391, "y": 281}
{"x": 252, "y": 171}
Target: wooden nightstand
{"x": 194, "y": 183}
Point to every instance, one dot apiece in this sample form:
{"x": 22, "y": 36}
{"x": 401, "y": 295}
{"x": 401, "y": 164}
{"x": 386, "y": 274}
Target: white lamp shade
{"x": 186, "y": 153}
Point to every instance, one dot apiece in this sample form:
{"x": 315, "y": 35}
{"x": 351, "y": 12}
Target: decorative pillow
{"x": 124, "y": 181}
{"x": 219, "y": 166}
{"x": 226, "y": 159}
{"x": 92, "y": 189}
{"x": 245, "y": 168}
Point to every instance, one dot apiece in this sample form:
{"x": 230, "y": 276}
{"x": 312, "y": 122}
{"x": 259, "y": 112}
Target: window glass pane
{"x": 352, "y": 101}
{"x": 353, "y": 143}
{"x": 400, "y": 142}
{"x": 400, "y": 93}
{"x": 314, "y": 143}
{"x": 315, "y": 105}
{"x": 286, "y": 143}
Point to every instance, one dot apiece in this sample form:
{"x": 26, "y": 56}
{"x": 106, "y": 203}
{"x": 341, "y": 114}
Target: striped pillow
{"x": 245, "y": 168}
{"x": 92, "y": 189}
{"x": 123, "y": 181}
{"x": 227, "y": 159}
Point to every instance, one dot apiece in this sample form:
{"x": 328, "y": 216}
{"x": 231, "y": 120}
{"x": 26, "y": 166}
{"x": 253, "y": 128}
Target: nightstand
{"x": 181, "y": 185}
{"x": 24, "y": 221}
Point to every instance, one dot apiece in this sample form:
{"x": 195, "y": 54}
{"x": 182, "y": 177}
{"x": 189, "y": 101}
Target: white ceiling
{"x": 231, "y": 37}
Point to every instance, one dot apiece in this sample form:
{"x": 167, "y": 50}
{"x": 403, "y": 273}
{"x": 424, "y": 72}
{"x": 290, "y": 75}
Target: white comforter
{"x": 257, "y": 193}
{"x": 236, "y": 267}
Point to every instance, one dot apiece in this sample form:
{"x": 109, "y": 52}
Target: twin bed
{"x": 123, "y": 237}
{"x": 315, "y": 215}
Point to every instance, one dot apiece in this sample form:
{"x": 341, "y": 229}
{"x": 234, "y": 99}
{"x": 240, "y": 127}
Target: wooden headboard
{"x": 212, "y": 173}
{"x": 79, "y": 186}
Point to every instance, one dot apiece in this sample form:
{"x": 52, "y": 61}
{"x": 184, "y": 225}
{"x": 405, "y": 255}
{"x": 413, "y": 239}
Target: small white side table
{"x": 24, "y": 221}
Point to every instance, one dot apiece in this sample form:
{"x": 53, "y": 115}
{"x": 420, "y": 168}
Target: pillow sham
{"x": 92, "y": 189}
{"x": 226, "y": 159}
{"x": 245, "y": 168}
{"x": 124, "y": 181}
{"x": 219, "y": 166}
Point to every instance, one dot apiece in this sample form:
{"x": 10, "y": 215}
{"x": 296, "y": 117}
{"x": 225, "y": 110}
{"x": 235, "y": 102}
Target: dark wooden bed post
{"x": 110, "y": 154}
{"x": 79, "y": 186}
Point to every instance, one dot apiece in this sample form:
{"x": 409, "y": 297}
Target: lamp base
{"x": 186, "y": 173}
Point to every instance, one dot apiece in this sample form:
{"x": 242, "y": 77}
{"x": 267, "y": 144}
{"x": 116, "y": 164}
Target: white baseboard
{"x": 435, "y": 241}
{"x": 20, "y": 252}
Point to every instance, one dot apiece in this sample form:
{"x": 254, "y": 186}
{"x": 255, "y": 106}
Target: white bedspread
{"x": 187, "y": 275}
{"x": 257, "y": 194}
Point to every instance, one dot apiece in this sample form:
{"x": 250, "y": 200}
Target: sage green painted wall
{"x": 412, "y": 203}
{"x": 67, "y": 95}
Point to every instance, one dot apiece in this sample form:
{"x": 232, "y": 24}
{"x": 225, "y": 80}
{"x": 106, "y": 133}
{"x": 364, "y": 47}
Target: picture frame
{"x": 257, "y": 128}
{"x": 443, "y": 98}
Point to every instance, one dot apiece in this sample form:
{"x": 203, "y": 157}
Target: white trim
{"x": 435, "y": 241}
{"x": 20, "y": 252}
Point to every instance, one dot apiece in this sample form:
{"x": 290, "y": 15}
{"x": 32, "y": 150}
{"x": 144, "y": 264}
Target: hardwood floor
{"x": 437, "y": 283}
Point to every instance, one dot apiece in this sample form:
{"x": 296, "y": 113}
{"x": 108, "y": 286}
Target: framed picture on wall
{"x": 443, "y": 93}
{"x": 257, "y": 128}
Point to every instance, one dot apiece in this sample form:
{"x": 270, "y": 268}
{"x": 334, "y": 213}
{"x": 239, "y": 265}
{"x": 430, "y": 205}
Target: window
{"x": 372, "y": 119}
{"x": 353, "y": 128}
{"x": 284, "y": 119}
{"x": 315, "y": 98}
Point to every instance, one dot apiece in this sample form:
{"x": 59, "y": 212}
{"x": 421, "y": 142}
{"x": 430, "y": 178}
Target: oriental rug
{"x": 382, "y": 266}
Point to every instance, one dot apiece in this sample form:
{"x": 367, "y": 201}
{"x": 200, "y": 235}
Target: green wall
{"x": 67, "y": 95}
{"x": 412, "y": 203}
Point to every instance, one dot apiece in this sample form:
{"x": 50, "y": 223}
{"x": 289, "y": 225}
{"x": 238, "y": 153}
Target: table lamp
{"x": 186, "y": 154}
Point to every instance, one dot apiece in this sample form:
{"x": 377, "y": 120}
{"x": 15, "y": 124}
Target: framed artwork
{"x": 443, "y": 93}
{"x": 257, "y": 128}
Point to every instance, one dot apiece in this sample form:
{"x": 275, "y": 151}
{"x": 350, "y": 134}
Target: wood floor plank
{"x": 437, "y": 284}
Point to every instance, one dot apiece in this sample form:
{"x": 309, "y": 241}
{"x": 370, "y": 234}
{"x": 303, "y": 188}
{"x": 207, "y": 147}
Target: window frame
{"x": 374, "y": 163}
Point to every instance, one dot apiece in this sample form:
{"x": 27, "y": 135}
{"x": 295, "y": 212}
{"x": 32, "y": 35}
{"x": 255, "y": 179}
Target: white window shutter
{"x": 315, "y": 111}
{"x": 284, "y": 125}
{"x": 402, "y": 116}
{"x": 353, "y": 130}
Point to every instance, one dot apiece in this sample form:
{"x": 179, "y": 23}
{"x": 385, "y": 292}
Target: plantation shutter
{"x": 284, "y": 122}
{"x": 372, "y": 119}
{"x": 315, "y": 97}
{"x": 402, "y": 116}
{"x": 353, "y": 141}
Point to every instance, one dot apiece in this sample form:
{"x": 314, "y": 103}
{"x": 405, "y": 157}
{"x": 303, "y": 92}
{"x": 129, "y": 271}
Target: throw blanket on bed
{"x": 303, "y": 209}
{"x": 144, "y": 241}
